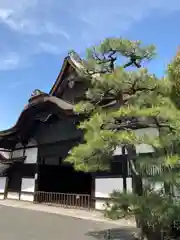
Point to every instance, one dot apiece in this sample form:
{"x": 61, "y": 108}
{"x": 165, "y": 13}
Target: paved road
{"x": 22, "y": 224}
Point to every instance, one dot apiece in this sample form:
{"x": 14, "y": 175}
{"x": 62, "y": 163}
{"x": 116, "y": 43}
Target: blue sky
{"x": 36, "y": 35}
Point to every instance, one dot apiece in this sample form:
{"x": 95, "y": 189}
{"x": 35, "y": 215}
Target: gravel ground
{"x": 23, "y": 224}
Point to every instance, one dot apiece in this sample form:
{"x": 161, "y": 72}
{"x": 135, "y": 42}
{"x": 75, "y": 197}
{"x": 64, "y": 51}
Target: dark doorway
{"x": 61, "y": 184}
{"x": 63, "y": 179}
{"x": 58, "y": 181}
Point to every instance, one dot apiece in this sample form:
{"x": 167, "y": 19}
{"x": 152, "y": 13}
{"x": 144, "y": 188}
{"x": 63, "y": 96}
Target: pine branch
{"x": 133, "y": 168}
{"x": 109, "y": 59}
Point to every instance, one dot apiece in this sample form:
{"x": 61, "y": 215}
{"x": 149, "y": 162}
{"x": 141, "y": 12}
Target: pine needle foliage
{"x": 174, "y": 76}
{"x": 120, "y": 98}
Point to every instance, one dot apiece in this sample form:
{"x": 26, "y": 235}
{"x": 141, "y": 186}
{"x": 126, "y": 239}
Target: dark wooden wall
{"x": 57, "y": 130}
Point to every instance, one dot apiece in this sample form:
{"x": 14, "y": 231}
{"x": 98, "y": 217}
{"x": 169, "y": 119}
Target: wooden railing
{"x": 80, "y": 201}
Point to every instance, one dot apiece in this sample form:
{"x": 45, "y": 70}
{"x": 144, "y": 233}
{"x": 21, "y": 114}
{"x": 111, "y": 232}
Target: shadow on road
{"x": 113, "y": 234}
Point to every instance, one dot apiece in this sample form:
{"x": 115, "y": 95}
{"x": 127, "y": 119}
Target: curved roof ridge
{"x": 63, "y": 105}
{"x": 75, "y": 58}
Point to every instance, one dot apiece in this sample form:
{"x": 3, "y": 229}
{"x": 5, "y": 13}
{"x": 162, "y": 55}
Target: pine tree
{"x": 123, "y": 95}
{"x": 174, "y": 76}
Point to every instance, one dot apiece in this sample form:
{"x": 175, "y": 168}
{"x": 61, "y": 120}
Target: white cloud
{"x": 30, "y": 25}
{"x": 9, "y": 61}
{"x": 12, "y": 13}
{"x": 124, "y": 13}
{"x": 49, "y": 48}
{"x": 55, "y": 26}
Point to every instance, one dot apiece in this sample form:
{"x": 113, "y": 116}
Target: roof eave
{"x": 64, "y": 106}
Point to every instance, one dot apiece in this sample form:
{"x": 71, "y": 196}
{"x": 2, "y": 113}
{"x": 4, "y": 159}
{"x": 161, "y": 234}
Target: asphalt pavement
{"x": 23, "y": 224}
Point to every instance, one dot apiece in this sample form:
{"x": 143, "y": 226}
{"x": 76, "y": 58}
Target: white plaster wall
{"x": 157, "y": 186}
{"x": 176, "y": 192}
{"x": 2, "y": 187}
{"x": 129, "y": 184}
{"x": 2, "y": 196}
{"x": 28, "y": 185}
{"x": 17, "y": 153}
{"x": 13, "y": 195}
{"x": 19, "y": 145}
{"x": 105, "y": 186}
{"x": 144, "y": 148}
{"x": 2, "y": 184}
{"x": 118, "y": 151}
{"x": 31, "y": 155}
{"x": 141, "y": 148}
{"x": 151, "y": 133}
{"x": 27, "y": 197}
{"x": 100, "y": 204}
{"x": 5, "y": 154}
{"x": 31, "y": 143}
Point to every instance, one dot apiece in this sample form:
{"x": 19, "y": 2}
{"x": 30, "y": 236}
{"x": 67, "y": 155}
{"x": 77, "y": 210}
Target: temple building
{"x": 32, "y": 151}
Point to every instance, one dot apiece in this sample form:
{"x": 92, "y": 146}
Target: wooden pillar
{"x": 124, "y": 169}
{"x": 92, "y": 200}
{"x": 136, "y": 179}
{"x": 36, "y": 177}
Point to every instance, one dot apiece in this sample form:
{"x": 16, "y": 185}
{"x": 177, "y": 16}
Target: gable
{"x": 62, "y": 75}
{"x": 74, "y": 94}
{"x": 69, "y": 86}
